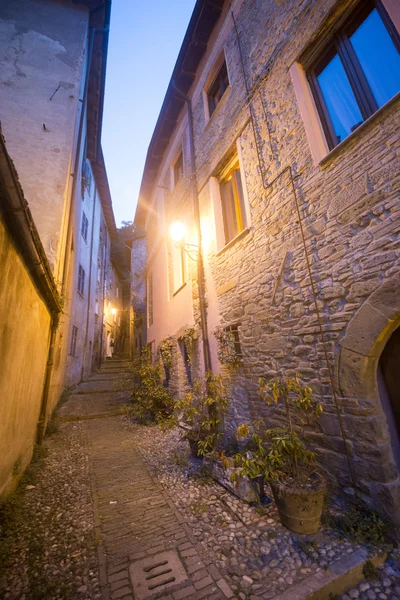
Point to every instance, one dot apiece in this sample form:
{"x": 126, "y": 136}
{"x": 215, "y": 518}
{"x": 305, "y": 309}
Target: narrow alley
{"x": 200, "y": 300}
{"x": 114, "y": 510}
{"x": 131, "y": 519}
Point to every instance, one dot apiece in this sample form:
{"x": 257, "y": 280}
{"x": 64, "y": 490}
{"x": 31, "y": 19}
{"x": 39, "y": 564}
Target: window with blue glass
{"x": 358, "y": 72}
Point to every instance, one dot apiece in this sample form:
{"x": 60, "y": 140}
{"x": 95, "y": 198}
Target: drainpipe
{"x": 41, "y": 426}
{"x": 200, "y": 263}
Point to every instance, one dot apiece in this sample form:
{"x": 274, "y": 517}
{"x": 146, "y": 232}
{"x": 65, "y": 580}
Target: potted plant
{"x": 252, "y": 462}
{"x": 297, "y": 484}
{"x": 200, "y": 412}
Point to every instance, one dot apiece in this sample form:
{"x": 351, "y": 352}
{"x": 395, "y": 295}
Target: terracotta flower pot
{"x": 299, "y": 509}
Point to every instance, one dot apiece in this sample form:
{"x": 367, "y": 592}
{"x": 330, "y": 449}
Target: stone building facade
{"x": 57, "y": 221}
{"x": 299, "y": 222}
{"x": 138, "y": 291}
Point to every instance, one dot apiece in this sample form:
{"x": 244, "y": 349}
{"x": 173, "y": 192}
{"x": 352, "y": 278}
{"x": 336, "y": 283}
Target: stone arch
{"x": 357, "y": 381}
{"x": 365, "y": 339}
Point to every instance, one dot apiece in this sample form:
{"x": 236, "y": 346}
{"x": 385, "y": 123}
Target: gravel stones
{"x": 249, "y": 546}
{"x": 49, "y": 539}
{"x": 385, "y": 587}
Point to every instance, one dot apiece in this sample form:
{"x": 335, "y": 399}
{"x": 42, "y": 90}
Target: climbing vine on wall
{"x": 188, "y": 338}
{"x": 165, "y": 348}
{"x": 227, "y": 347}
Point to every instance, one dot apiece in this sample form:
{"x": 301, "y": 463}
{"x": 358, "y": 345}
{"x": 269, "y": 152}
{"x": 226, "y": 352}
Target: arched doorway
{"x": 389, "y": 389}
{"x": 366, "y": 378}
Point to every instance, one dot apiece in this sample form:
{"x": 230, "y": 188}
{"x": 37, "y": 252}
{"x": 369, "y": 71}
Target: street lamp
{"x": 177, "y": 233}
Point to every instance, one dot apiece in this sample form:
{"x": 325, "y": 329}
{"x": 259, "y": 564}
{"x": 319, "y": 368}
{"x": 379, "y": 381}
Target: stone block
{"x": 373, "y": 428}
{"x": 366, "y": 334}
{"x": 227, "y": 287}
{"x": 329, "y": 424}
{"x": 386, "y": 499}
{"x": 243, "y": 490}
{"x": 356, "y": 375}
{"x": 384, "y": 472}
{"x": 386, "y": 299}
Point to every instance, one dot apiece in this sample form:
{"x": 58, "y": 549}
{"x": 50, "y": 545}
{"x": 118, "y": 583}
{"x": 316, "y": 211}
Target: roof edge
{"x": 205, "y": 16}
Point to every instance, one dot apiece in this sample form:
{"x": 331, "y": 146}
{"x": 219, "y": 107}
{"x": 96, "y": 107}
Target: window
{"x": 81, "y": 279}
{"x": 73, "y": 340}
{"x": 217, "y": 89}
{"x": 232, "y": 203}
{"x": 358, "y": 72}
{"x": 178, "y": 169}
{"x": 86, "y": 179}
{"x": 178, "y": 266}
{"x": 150, "y": 300}
{"x": 234, "y": 330}
{"x": 84, "y": 226}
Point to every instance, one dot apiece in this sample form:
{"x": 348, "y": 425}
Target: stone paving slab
{"x": 136, "y": 520}
{"x": 92, "y": 404}
{"x": 104, "y": 376}
{"x": 90, "y": 387}
{"x": 147, "y": 502}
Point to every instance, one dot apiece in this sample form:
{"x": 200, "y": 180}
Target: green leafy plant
{"x": 276, "y": 454}
{"x": 150, "y": 400}
{"x": 188, "y": 338}
{"x": 227, "y": 352}
{"x": 308, "y": 547}
{"x": 252, "y": 462}
{"x": 288, "y": 456}
{"x": 360, "y": 524}
{"x": 200, "y": 412}
{"x": 165, "y": 349}
{"x": 370, "y": 571}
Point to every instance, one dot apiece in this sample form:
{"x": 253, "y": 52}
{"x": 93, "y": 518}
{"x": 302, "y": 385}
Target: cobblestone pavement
{"x": 258, "y": 556}
{"x": 111, "y": 494}
{"x": 47, "y": 539}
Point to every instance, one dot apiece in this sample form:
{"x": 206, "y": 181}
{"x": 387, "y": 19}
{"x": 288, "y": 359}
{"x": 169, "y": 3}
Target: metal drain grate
{"x": 156, "y": 573}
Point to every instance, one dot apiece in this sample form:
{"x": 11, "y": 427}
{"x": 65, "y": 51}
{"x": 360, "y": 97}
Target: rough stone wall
{"x": 24, "y": 338}
{"x": 338, "y": 220}
{"x": 41, "y": 56}
{"x": 138, "y": 291}
{"x": 349, "y": 216}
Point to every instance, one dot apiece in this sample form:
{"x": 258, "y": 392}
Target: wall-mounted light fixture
{"x": 177, "y": 233}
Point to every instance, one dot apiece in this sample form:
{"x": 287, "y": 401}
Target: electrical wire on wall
{"x": 288, "y": 169}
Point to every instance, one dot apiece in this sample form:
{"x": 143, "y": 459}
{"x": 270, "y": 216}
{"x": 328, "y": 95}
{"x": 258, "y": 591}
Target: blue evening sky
{"x": 145, "y": 38}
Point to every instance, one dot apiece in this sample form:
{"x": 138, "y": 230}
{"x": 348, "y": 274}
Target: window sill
{"x": 179, "y": 289}
{"x": 220, "y": 103}
{"x": 233, "y": 241}
{"x": 337, "y": 149}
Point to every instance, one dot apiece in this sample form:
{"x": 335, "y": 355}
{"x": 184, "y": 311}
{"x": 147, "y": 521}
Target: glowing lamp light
{"x": 113, "y": 311}
{"x": 177, "y": 231}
